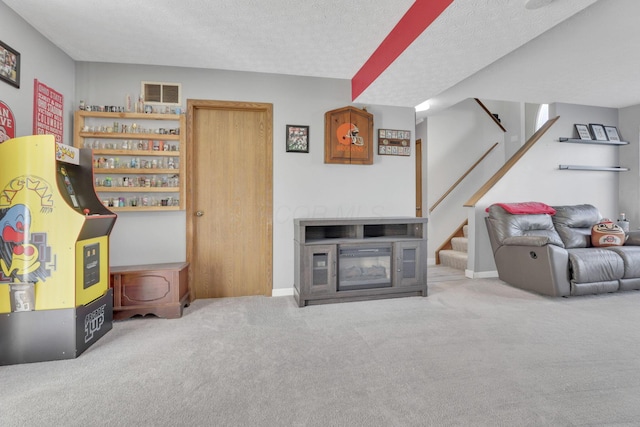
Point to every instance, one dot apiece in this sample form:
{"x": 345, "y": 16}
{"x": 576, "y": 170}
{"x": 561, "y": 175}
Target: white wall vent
{"x": 160, "y": 93}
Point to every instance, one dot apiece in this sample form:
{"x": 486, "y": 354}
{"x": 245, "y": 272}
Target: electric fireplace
{"x": 356, "y": 259}
{"x": 364, "y": 267}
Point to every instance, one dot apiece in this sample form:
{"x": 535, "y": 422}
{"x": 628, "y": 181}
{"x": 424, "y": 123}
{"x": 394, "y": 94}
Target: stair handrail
{"x": 464, "y": 175}
{"x": 510, "y": 163}
{"x": 495, "y": 119}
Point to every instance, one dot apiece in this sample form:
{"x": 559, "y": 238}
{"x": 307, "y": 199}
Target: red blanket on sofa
{"x": 522, "y": 208}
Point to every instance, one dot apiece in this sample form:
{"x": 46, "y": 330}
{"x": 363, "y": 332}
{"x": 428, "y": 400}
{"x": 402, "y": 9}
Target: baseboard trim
{"x": 480, "y": 274}
{"x": 282, "y": 292}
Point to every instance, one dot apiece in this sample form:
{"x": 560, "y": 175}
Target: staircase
{"x": 454, "y": 255}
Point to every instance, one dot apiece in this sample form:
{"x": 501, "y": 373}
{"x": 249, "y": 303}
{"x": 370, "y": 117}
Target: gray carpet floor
{"x": 472, "y": 353}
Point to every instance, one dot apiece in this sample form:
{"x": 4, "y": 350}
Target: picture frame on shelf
{"x": 9, "y": 65}
{"x": 598, "y": 132}
{"x": 612, "y": 133}
{"x": 583, "y": 131}
{"x": 297, "y": 139}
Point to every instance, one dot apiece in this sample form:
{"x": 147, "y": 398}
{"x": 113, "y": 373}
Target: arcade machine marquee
{"x": 55, "y": 300}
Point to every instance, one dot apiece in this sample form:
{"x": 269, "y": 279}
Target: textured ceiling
{"x": 468, "y": 36}
{"x": 334, "y": 38}
{"x": 591, "y": 59}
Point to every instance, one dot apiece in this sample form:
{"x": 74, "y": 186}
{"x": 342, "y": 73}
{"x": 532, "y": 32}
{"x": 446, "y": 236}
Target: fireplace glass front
{"x": 364, "y": 267}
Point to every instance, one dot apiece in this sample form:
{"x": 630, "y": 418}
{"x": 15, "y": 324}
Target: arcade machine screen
{"x": 68, "y": 186}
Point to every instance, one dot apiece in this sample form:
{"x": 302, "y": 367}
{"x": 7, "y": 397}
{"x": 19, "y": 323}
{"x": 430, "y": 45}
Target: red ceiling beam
{"x": 419, "y": 16}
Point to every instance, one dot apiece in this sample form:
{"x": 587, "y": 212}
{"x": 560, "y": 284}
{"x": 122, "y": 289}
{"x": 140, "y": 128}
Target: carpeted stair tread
{"x": 454, "y": 259}
{"x": 460, "y": 244}
{"x": 457, "y": 256}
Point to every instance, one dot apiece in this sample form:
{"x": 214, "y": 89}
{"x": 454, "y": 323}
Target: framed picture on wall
{"x": 392, "y": 142}
{"x": 598, "y": 132}
{"x": 9, "y": 65}
{"x": 583, "y": 131}
{"x": 297, "y": 139}
{"x": 612, "y": 133}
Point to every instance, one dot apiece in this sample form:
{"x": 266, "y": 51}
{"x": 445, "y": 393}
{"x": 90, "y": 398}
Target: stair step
{"x": 460, "y": 244}
{"x": 453, "y": 259}
{"x": 465, "y": 230}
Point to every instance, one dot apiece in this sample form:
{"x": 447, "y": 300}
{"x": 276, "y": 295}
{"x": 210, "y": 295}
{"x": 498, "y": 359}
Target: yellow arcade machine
{"x": 55, "y": 299}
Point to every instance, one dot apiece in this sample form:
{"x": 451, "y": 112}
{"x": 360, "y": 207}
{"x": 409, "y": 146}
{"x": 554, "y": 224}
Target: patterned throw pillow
{"x": 606, "y": 233}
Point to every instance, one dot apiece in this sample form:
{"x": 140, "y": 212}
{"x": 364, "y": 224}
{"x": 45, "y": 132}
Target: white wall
{"x": 511, "y": 118}
{"x": 629, "y": 193}
{"x": 41, "y": 60}
{"x": 304, "y": 186}
{"x": 536, "y": 177}
{"x": 530, "y": 118}
{"x": 456, "y": 139}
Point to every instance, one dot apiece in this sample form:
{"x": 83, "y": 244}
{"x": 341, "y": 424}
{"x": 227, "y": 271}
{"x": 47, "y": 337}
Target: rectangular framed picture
{"x": 297, "y": 139}
{"x": 583, "y": 131}
{"x": 612, "y": 133}
{"x": 598, "y": 132}
{"x": 394, "y": 142}
{"x": 9, "y": 65}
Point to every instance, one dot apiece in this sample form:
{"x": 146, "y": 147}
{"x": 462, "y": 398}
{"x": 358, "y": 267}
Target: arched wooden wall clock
{"x": 348, "y": 136}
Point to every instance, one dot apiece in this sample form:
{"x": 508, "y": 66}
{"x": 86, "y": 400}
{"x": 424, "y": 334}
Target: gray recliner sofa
{"x": 552, "y": 254}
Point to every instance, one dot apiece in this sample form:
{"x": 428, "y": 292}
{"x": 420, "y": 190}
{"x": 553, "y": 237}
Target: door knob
{"x": 199, "y": 213}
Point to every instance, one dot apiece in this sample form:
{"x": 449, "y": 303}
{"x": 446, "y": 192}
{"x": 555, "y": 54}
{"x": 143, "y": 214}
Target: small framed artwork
{"x": 583, "y": 131}
{"x": 297, "y": 139}
{"x": 9, "y": 65}
{"x": 598, "y": 132}
{"x": 612, "y": 133}
{"x": 393, "y": 142}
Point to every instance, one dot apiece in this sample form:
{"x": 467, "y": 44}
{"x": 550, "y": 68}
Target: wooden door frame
{"x": 192, "y": 106}
{"x": 418, "y": 177}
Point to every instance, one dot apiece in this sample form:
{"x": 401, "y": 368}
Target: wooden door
{"x": 419, "y": 178}
{"x": 229, "y": 204}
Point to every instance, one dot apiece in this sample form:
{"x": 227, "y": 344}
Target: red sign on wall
{"x": 7, "y": 123}
{"x": 47, "y": 111}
